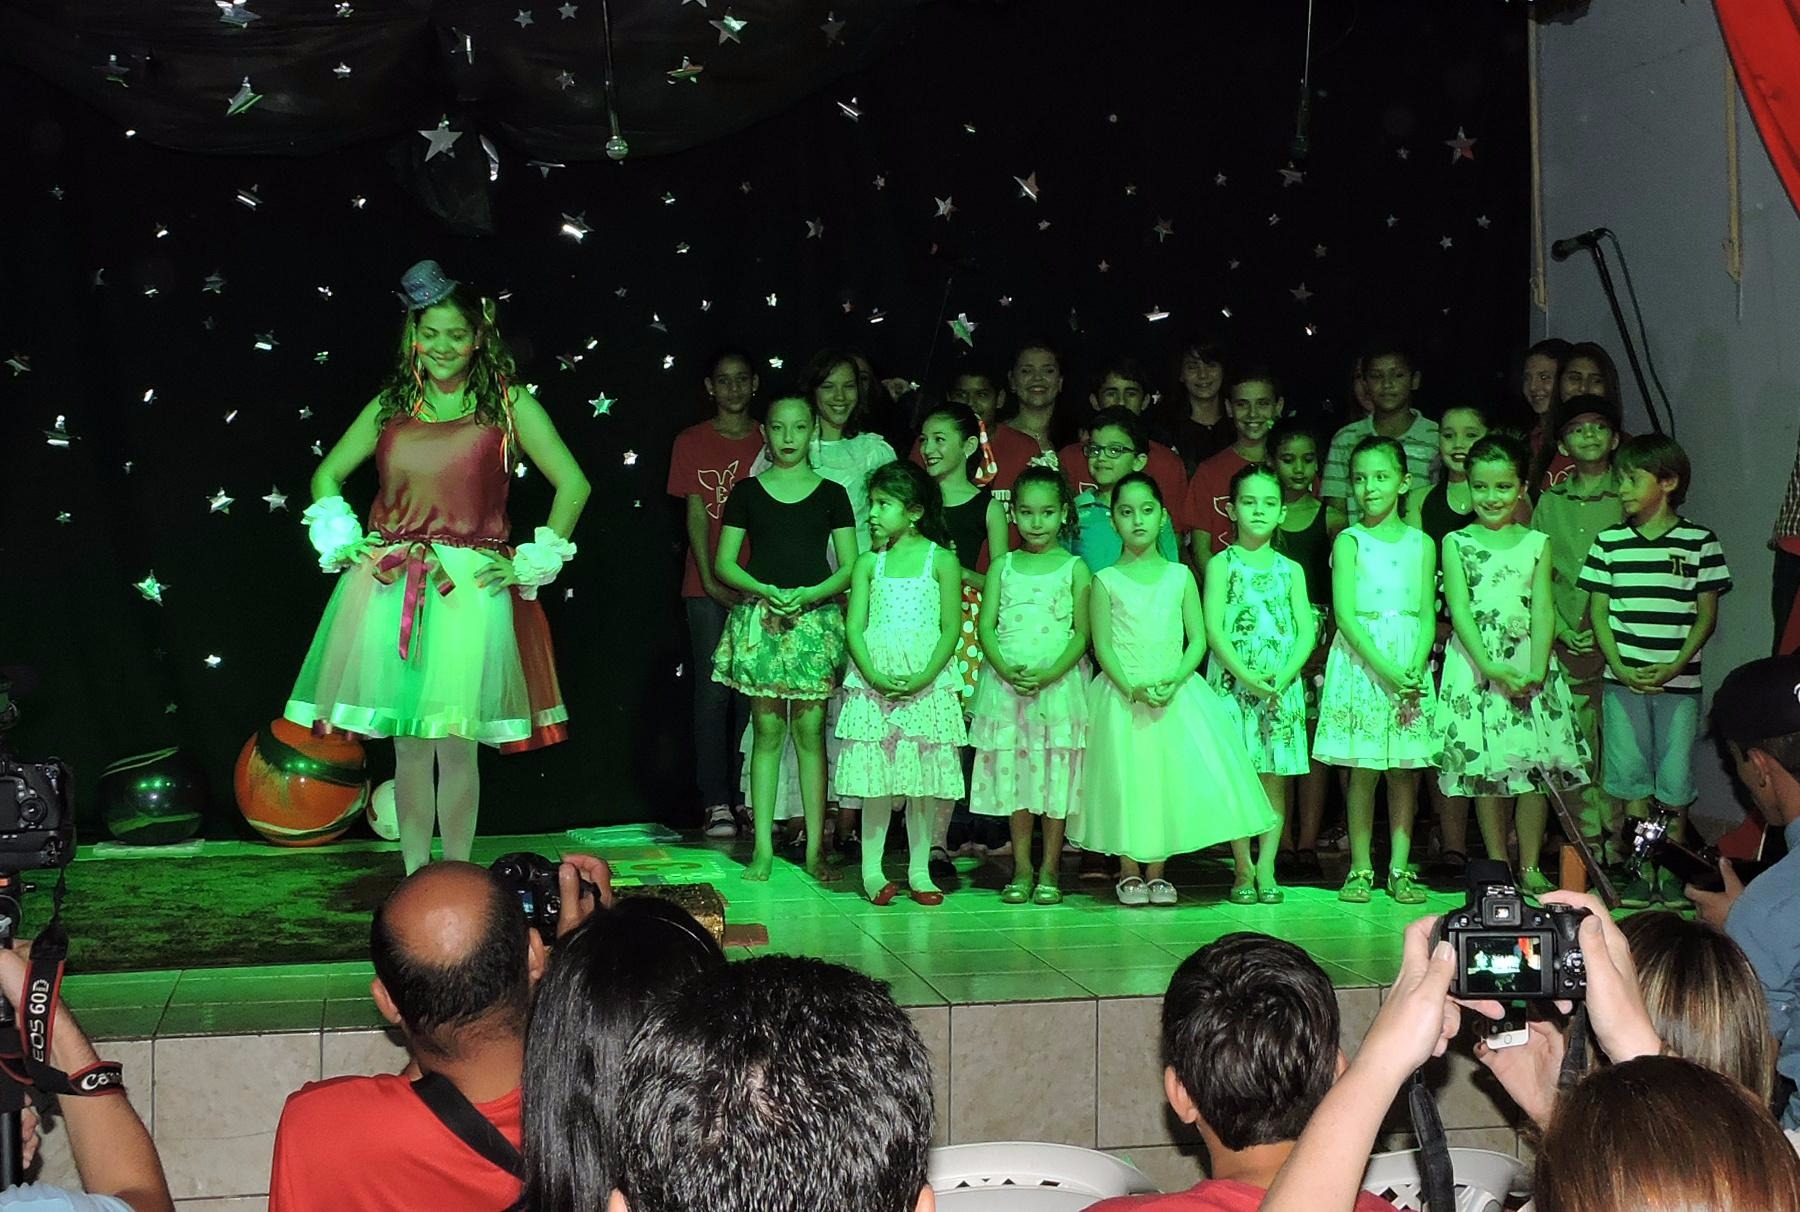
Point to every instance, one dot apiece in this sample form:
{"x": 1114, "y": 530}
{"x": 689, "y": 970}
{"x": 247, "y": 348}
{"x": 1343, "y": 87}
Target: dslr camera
{"x": 37, "y": 803}
{"x": 1507, "y": 949}
{"x": 532, "y": 878}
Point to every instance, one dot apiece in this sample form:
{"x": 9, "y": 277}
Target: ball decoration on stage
{"x": 153, "y": 799}
{"x": 381, "y": 814}
{"x": 297, "y": 789}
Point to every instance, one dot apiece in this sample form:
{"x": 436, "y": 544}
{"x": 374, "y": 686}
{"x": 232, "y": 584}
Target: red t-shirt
{"x": 1209, "y": 492}
{"x": 1013, "y": 452}
{"x": 1215, "y": 1195}
{"x": 1559, "y": 467}
{"x": 707, "y": 462}
{"x": 1162, "y": 465}
{"x": 369, "y": 1144}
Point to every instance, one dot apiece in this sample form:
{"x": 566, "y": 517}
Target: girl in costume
{"x": 433, "y": 635}
{"x": 1165, "y": 771}
{"x": 1505, "y": 713}
{"x": 1028, "y": 720}
{"x": 1376, "y": 710}
{"x": 901, "y": 728}
{"x": 784, "y": 646}
{"x": 1260, "y": 628}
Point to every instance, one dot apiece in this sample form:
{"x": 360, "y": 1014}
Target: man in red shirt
{"x": 1250, "y": 1041}
{"x": 455, "y": 963}
{"x": 1253, "y": 398}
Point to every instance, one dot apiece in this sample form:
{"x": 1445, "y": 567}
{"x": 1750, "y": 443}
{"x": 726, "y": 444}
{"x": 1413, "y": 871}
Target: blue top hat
{"x": 425, "y": 284}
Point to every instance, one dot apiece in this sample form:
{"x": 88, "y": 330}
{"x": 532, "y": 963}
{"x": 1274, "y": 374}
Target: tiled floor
{"x": 970, "y": 949}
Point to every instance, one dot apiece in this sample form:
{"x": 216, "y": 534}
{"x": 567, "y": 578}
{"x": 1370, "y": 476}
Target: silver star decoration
{"x": 219, "y": 502}
{"x": 848, "y": 306}
{"x": 1130, "y": 190}
{"x": 64, "y": 518}
{"x": 1219, "y": 179}
{"x": 213, "y": 661}
{"x": 832, "y": 28}
{"x": 276, "y": 498}
{"x": 1028, "y": 186}
{"x": 1006, "y": 300}
{"x": 776, "y": 363}
{"x": 575, "y": 226}
{"x": 150, "y": 396}
{"x": 602, "y": 404}
{"x": 880, "y": 181}
{"x": 233, "y": 12}
{"x": 1164, "y": 229}
{"x": 1233, "y": 263}
{"x": 544, "y": 166}
{"x": 242, "y": 100}
{"x": 668, "y": 199}
{"x": 568, "y": 12}
{"x": 1404, "y": 153}
{"x": 771, "y": 299}
{"x": 815, "y": 229}
{"x": 265, "y": 342}
{"x": 56, "y": 191}
{"x": 1461, "y": 148}
{"x": 19, "y": 364}
{"x": 681, "y": 249}
{"x": 743, "y": 187}
{"x": 1291, "y": 175}
{"x": 305, "y": 413}
{"x": 524, "y": 18}
{"x": 1300, "y": 293}
{"x": 850, "y": 109}
{"x": 99, "y": 278}
{"x": 344, "y": 9}
{"x": 1392, "y": 220}
{"x": 729, "y": 28}
{"x": 151, "y": 588}
{"x": 1274, "y": 219}
{"x": 689, "y": 71}
{"x": 656, "y": 323}
{"x": 341, "y": 71}
{"x": 706, "y": 305}
{"x": 1043, "y": 225}
{"x": 161, "y": 230}
{"x": 1104, "y": 267}
{"x": 963, "y": 329}
{"x": 1319, "y": 250}
{"x": 321, "y": 358}
{"x": 1482, "y": 222}
{"x": 442, "y": 139}
{"x": 945, "y": 208}
{"x": 324, "y": 292}
{"x": 358, "y": 202}
{"x": 317, "y": 448}
{"x": 1446, "y": 243}
{"x": 565, "y": 80}
{"x": 631, "y": 458}
{"x": 1155, "y": 314}
{"x": 214, "y": 284}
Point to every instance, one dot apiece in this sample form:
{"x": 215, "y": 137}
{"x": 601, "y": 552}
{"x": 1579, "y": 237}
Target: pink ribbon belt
{"x": 414, "y": 553}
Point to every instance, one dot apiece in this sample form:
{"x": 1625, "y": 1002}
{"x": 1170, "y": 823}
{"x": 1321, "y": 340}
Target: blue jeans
{"x": 720, "y": 713}
{"x": 1647, "y": 745}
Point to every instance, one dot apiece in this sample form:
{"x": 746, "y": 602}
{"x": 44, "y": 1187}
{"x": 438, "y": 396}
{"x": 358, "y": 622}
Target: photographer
{"x": 455, "y": 965}
{"x": 113, "y": 1151}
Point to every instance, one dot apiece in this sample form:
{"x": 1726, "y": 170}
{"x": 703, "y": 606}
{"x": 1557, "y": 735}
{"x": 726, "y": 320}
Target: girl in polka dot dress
{"x": 1028, "y": 720}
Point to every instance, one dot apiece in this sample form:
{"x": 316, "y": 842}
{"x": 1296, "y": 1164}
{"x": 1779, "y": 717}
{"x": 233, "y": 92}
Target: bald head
{"x": 449, "y": 945}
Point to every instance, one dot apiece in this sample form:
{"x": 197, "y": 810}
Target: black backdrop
{"x": 1164, "y": 110}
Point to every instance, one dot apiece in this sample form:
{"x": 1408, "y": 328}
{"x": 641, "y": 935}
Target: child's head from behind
{"x": 1254, "y": 397}
{"x": 1378, "y": 476}
{"x": 1294, "y": 453}
{"x": 788, "y": 425}
{"x": 1497, "y": 469}
{"x": 950, "y": 439}
{"x": 1116, "y": 445}
{"x": 1463, "y": 426}
{"x": 1255, "y": 503}
{"x": 1250, "y": 1039}
{"x": 1389, "y": 370}
{"x": 903, "y": 498}
{"x": 1043, "y": 507}
{"x": 1138, "y": 512}
{"x": 1652, "y": 469}
{"x": 1662, "y": 1134}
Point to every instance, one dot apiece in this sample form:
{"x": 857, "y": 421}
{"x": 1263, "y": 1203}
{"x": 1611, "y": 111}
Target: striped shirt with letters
{"x": 1653, "y": 589}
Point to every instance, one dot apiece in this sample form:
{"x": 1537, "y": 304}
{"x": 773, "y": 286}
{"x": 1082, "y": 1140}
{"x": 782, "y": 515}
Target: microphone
{"x": 1562, "y": 250}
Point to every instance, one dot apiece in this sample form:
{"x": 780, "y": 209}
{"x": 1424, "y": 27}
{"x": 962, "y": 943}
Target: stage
{"x": 1042, "y": 1020}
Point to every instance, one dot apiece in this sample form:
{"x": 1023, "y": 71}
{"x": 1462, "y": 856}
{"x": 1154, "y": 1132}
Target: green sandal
{"x": 1358, "y": 887}
{"x": 1534, "y": 881}
{"x": 1016, "y": 893}
{"x": 1401, "y": 887}
{"x": 1047, "y": 894}
{"x": 1244, "y": 893}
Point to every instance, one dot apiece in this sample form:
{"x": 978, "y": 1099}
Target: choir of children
{"x": 1060, "y": 637}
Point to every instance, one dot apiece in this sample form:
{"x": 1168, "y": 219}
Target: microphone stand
{"x": 1618, "y": 315}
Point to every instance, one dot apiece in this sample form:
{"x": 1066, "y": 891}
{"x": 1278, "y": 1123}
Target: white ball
{"x": 381, "y": 814}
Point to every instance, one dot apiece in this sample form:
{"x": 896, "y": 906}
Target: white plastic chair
{"x": 1029, "y": 1176}
{"x": 1483, "y": 1177}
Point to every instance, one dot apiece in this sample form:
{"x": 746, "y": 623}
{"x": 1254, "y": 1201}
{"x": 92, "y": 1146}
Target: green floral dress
{"x": 1494, "y": 745}
{"x": 1260, "y": 624}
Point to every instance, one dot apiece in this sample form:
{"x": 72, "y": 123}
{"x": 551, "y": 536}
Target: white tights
{"x": 451, "y": 804}
{"x": 921, "y": 813}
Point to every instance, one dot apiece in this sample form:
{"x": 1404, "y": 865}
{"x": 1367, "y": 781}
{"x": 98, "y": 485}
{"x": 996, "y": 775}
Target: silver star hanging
{"x": 341, "y": 71}
{"x": 19, "y": 364}
{"x": 343, "y": 8}
{"x": 233, "y": 12}
{"x": 265, "y": 342}
{"x": 1482, "y": 221}
{"x": 850, "y": 109}
{"x": 305, "y": 413}
{"x": 1291, "y": 175}
{"x": 242, "y": 100}
{"x": 64, "y": 518}
{"x": 575, "y": 226}
{"x": 219, "y": 502}
{"x": 214, "y": 284}
{"x": 276, "y": 498}
{"x": 689, "y": 71}
{"x": 833, "y": 29}
{"x": 442, "y": 139}
{"x": 524, "y": 18}
{"x": 1164, "y": 229}
{"x": 945, "y": 208}
{"x": 602, "y": 404}
{"x": 1461, "y": 148}
{"x": 815, "y": 229}
{"x": 1446, "y": 243}
{"x": 963, "y": 329}
{"x": 568, "y": 12}
{"x": 213, "y": 661}
{"x": 1028, "y": 186}
{"x": 729, "y": 28}
{"x": 776, "y": 363}
{"x": 151, "y": 588}
{"x": 1300, "y": 293}
{"x": 1155, "y": 314}
{"x": 58, "y": 436}
{"x": 565, "y": 80}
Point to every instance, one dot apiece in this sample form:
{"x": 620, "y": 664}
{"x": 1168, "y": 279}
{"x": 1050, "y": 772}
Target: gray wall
{"x": 1633, "y": 108}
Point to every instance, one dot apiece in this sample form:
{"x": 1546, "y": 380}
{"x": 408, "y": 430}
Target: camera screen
{"x": 1505, "y": 965}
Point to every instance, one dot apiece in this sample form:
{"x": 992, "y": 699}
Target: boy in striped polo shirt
{"x": 1654, "y": 586}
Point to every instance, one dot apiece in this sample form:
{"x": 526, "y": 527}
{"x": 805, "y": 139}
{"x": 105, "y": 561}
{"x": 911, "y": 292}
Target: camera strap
{"x": 1437, "y": 1178}
{"x": 468, "y": 1125}
{"x": 25, "y": 1062}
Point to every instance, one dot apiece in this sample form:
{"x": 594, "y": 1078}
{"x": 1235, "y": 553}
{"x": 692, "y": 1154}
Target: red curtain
{"x": 1763, "y": 37}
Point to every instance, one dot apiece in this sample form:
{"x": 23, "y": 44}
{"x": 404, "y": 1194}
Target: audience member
{"x": 455, "y": 963}
{"x": 776, "y": 1084}
{"x": 602, "y": 979}
{"x": 1391, "y": 377}
{"x": 1250, "y": 1046}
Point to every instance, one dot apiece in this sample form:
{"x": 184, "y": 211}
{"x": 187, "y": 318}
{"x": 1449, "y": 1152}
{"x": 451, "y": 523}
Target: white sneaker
{"x": 1161, "y": 892}
{"x": 1132, "y": 891}
{"x": 720, "y": 823}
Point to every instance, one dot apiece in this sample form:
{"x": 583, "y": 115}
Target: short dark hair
{"x": 487, "y": 990}
{"x": 1501, "y": 448}
{"x": 1144, "y": 480}
{"x": 733, "y": 1096}
{"x": 1250, "y": 1026}
{"x": 1388, "y": 346}
{"x": 725, "y": 353}
{"x": 1661, "y": 456}
{"x": 1121, "y": 418}
{"x": 602, "y": 979}
{"x": 1125, "y": 367}
{"x": 1250, "y": 372}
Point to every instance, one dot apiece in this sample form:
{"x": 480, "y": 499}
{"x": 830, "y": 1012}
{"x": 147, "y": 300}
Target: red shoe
{"x": 886, "y": 895}
{"x": 927, "y": 898}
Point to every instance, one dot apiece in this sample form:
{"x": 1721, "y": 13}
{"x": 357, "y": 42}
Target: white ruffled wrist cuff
{"x": 333, "y": 530}
{"x": 536, "y": 563}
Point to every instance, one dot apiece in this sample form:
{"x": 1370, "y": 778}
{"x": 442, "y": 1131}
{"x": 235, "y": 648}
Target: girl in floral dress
{"x": 1260, "y": 628}
{"x": 1505, "y": 715}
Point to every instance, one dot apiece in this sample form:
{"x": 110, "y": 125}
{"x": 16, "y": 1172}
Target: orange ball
{"x": 297, "y": 789}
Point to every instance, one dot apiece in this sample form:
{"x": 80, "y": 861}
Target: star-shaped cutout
{"x": 1300, "y": 293}
{"x": 19, "y": 364}
{"x": 1291, "y": 175}
{"x": 341, "y": 71}
{"x": 56, "y": 191}
{"x": 1005, "y": 300}
{"x": 343, "y": 8}
{"x": 151, "y": 588}
{"x": 231, "y": 416}
{"x": 1043, "y": 225}
{"x": 630, "y": 458}
{"x": 442, "y": 139}
{"x": 265, "y": 342}
{"x": 1482, "y": 221}
{"x": 1461, "y": 148}
{"x": 776, "y": 363}
{"x": 681, "y": 249}
{"x": 668, "y": 198}
{"x": 1219, "y": 179}
{"x": 305, "y": 413}
{"x": 575, "y": 226}
{"x": 850, "y": 109}
{"x": 832, "y": 29}
{"x": 1405, "y": 153}
{"x": 1274, "y": 219}
{"x": 1392, "y": 220}
{"x": 815, "y": 229}
{"x": 880, "y": 181}
{"x": 213, "y": 660}
{"x": 729, "y": 28}
{"x": 1233, "y": 263}
{"x": 524, "y": 18}
{"x": 233, "y": 12}
{"x": 565, "y": 80}
{"x": 689, "y": 71}
{"x": 1103, "y": 267}
{"x": 1446, "y": 243}
{"x": 242, "y": 100}
{"x": 568, "y": 12}
{"x": 1155, "y": 314}
{"x": 771, "y": 300}
{"x": 64, "y": 518}
{"x": 1164, "y": 229}
{"x": 743, "y": 187}
{"x": 218, "y": 502}
{"x": 276, "y": 498}
{"x": 602, "y": 404}
{"x": 963, "y": 329}
{"x": 1319, "y": 250}
{"x": 848, "y": 305}
{"x": 1028, "y": 186}
{"x": 1130, "y": 190}
{"x": 945, "y": 208}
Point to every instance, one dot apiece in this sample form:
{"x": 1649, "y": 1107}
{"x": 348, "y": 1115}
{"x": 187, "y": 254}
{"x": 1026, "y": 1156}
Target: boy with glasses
{"x": 1116, "y": 447}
